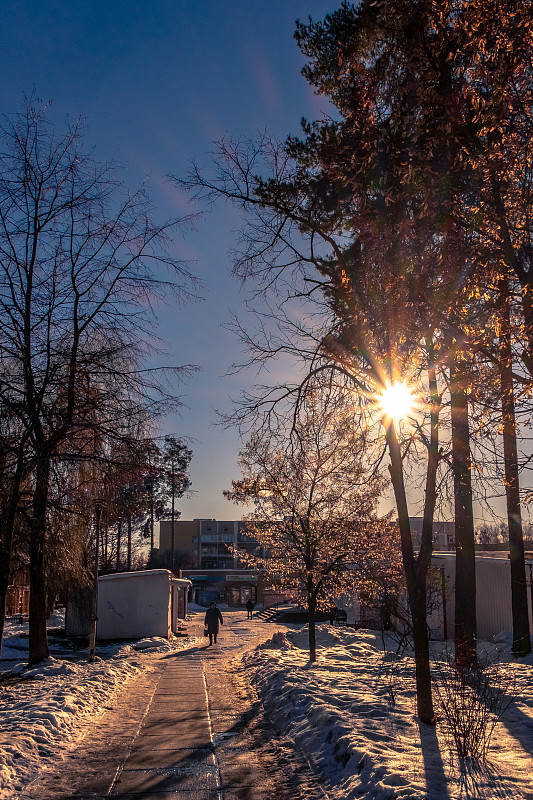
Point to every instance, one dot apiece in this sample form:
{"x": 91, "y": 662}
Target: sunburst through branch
{"x": 396, "y": 401}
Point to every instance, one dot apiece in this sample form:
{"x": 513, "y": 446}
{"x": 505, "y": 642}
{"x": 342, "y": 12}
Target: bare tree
{"x": 81, "y": 263}
{"x": 176, "y": 457}
{"x": 314, "y": 501}
{"x": 358, "y": 316}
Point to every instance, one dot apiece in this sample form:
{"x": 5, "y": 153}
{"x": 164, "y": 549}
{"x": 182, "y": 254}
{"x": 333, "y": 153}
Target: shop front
{"x": 204, "y": 589}
{"x": 240, "y": 588}
{"x": 223, "y": 586}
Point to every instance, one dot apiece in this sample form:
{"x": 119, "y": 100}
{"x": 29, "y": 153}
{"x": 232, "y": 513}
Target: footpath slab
{"x": 173, "y": 755}
{"x": 187, "y": 731}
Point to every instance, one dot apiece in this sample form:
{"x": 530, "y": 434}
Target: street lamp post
{"x": 173, "y": 512}
{"x": 94, "y": 606}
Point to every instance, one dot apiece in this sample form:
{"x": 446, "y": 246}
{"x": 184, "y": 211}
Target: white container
{"x": 493, "y": 596}
{"x": 134, "y": 605}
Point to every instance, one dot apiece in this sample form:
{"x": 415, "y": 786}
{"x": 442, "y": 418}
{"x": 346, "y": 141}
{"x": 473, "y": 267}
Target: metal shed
{"x": 493, "y": 596}
{"x": 133, "y": 605}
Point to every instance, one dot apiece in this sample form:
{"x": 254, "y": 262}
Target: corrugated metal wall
{"x": 493, "y": 596}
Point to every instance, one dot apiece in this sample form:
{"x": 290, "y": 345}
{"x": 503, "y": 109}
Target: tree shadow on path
{"x": 189, "y": 651}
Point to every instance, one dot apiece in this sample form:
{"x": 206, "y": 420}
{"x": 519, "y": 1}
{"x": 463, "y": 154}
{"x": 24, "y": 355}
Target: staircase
{"x": 288, "y": 614}
{"x": 271, "y": 614}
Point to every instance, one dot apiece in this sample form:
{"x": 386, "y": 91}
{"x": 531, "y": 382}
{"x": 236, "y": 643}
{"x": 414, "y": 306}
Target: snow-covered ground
{"x": 55, "y": 703}
{"x": 339, "y": 712}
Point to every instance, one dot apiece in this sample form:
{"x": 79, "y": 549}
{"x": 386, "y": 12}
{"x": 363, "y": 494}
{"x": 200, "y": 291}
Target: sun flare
{"x": 397, "y": 401}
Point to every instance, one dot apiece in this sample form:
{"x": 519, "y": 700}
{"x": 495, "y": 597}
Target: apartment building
{"x": 218, "y": 544}
{"x": 208, "y": 543}
{"x": 186, "y": 539}
{"x": 443, "y": 533}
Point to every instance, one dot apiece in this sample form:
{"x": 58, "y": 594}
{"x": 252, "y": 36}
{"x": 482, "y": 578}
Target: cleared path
{"x": 189, "y": 730}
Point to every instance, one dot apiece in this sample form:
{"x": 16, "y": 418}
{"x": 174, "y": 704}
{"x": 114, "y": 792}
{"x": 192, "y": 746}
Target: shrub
{"x": 471, "y": 700}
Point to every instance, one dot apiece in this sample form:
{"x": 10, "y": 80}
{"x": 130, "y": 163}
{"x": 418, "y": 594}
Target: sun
{"x": 396, "y": 401}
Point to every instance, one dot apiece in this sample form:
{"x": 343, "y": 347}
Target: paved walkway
{"x": 187, "y": 731}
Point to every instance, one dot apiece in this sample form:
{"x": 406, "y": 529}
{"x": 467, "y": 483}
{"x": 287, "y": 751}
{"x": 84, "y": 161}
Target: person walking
{"x": 250, "y": 608}
{"x": 212, "y": 618}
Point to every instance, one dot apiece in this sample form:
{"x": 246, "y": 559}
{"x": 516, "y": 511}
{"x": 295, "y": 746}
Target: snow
{"x": 43, "y": 714}
{"x": 45, "y": 710}
{"x": 196, "y": 607}
{"x": 338, "y": 712}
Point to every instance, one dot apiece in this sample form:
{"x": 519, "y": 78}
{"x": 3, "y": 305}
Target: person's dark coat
{"x": 212, "y": 619}
{"x": 250, "y": 605}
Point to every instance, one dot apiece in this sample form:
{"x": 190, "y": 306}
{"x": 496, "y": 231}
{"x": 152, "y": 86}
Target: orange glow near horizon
{"x": 397, "y": 401}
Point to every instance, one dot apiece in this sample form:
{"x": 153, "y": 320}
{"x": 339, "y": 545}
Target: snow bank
{"x": 154, "y": 644}
{"x": 47, "y": 709}
{"x": 43, "y": 713}
{"x": 338, "y": 712}
{"x": 279, "y": 639}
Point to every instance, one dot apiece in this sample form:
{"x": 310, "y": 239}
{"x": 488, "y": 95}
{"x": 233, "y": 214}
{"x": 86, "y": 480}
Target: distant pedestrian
{"x": 250, "y": 608}
{"x": 332, "y": 615}
{"x": 212, "y": 618}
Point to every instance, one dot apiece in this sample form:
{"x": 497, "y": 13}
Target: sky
{"x": 157, "y": 83}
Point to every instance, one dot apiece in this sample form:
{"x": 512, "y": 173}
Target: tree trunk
{"x": 521, "y": 637}
{"x": 7, "y": 526}
{"x": 173, "y": 517}
{"x": 102, "y": 553}
{"x": 50, "y": 602}
{"x": 6, "y": 539}
{"x": 38, "y": 641}
{"x": 311, "y": 602}
{"x": 527, "y": 307}
{"x": 430, "y": 497}
{"x": 465, "y": 562}
{"x": 152, "y": 523}
{"x": 520, "y": 267}
{"x": 423, "y": 562}
{"x": 416, "y": 585}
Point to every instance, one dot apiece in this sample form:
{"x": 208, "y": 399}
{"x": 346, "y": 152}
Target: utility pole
{"x": 173, "y": 509}
{"x": 94, "y": 609}
{"x": 151, "y": 490}
{"x": 152, "y": 520}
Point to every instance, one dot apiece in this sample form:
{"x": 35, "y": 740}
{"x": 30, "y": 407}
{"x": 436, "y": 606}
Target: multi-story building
{"x": 186, "y": 539}
{"x": 212, "y": 558}
{"x": 443, "y": 533}
{"x": 218, "y": 544}
{"x": 207, "y": 543}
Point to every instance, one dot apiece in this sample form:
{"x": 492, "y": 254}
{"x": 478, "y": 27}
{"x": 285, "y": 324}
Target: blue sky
{"x": 157, "y": 83}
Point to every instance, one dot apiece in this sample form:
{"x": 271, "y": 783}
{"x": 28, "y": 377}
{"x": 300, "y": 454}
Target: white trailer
{"x": 134, "y": 605}
{"x": 493, "y": 596}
